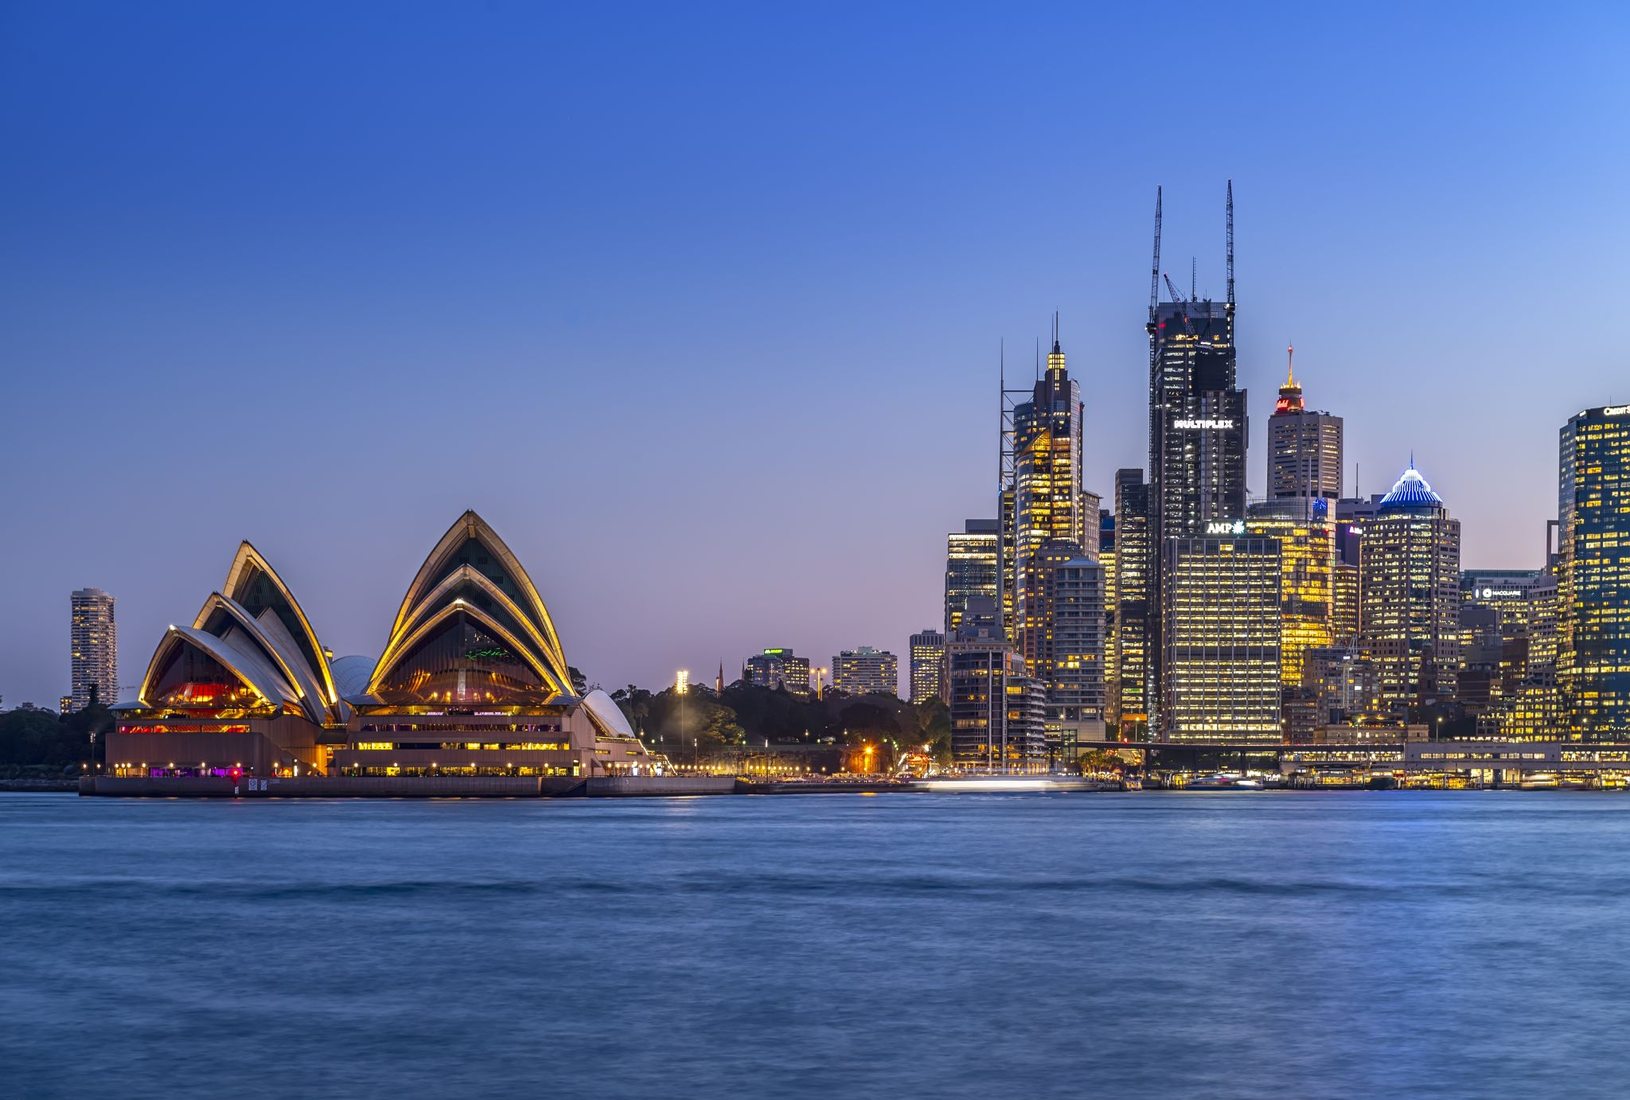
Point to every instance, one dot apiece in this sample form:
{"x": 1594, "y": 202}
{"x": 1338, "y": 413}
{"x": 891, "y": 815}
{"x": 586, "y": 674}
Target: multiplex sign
{"x": 1205, "y": 425}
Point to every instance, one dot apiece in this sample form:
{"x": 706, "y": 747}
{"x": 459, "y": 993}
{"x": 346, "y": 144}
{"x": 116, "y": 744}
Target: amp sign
{"x": 1226, "y": 527}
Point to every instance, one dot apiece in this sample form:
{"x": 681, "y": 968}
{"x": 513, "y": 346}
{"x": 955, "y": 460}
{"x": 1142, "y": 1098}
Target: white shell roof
{"x": 351, "y": 674}
{"x": 607, "y": 714}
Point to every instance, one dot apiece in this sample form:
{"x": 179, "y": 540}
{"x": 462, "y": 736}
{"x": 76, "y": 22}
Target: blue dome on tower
{"x": 1410, "y": 491}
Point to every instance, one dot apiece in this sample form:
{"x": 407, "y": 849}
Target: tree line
{"x": 41, "y": 740}
{"x": 750, "y": 715}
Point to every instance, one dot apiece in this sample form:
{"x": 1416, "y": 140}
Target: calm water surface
{"x": 1142, "y": 945}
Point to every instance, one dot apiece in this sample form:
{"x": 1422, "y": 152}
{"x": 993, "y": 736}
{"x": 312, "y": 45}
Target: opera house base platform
{"x": 452, "y": 786}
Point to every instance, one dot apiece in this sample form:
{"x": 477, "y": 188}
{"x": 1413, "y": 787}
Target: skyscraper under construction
{"x": 1197, "y": 425}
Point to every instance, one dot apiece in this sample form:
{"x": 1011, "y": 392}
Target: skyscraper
{"x": 1344, "y": 603}
{"x": 1047, "y": 458}
{"x": 1536, "y": 712}
{"x": 997, "y": 712}
{"x": 1307, "y": 552}
{"x": 1221, "y": 630}
{"x": 1106, "y": 558}
{"x": 1409, "y": 574}
{"x": 927, "y": 664}
{"x": 1197, "y": 420}
{"x": 1043, "y": 499}
{"x": 94, "y": 646}
{"x": 1129, "y": 691}
{"x": 1197, "y": 425}
{"x": 1053, "y": 578}
{"x": 866, "y": 671}
{"x": 1347, "y": 595}
{"x": 1304, "y": 448}
{"x": 971, "y": 568}
{"x": 1064, "y": 642}
{"x": 1497, "y": 618}
{"x": 1593, "y": 669}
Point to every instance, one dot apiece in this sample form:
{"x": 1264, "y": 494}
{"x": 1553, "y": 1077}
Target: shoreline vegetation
{"x": 43, "y": 750}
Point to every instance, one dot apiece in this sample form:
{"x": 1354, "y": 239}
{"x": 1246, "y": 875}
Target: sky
{"x": 700, "y": 305}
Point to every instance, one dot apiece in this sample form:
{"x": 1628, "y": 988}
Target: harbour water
{"x": 1138, "y": 945}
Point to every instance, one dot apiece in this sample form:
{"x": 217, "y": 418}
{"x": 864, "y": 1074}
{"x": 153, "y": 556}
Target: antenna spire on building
{"x": 1230, "y": 243}
{"x": 1290, "y": 394}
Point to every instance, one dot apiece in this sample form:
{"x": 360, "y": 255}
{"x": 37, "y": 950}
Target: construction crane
{"x": 1154, "y": 270}
{"x": 1178, "y": 299}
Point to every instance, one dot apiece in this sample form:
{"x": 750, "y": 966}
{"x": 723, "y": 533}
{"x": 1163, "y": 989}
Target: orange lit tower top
{"x": 1304, "y": 446}
{"x": 1290, "y": 394}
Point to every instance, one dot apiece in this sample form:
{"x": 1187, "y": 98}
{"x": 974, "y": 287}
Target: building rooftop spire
{"x": 1055, "y": 357}
{"x": 1290, "y": 394}
{"x": 1411, "y": 490}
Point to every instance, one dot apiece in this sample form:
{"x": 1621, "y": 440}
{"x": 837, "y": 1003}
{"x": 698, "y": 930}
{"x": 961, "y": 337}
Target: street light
{"x": 681, "y": 688}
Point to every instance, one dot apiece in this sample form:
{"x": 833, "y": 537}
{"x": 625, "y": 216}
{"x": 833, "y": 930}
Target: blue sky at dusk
{"x": 700, "y": 305}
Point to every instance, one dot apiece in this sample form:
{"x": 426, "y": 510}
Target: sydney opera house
{"x": 472, "y": 681}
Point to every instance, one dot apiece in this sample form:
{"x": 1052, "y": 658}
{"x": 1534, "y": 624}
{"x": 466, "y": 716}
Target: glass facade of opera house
{"x": 472, "y": 681}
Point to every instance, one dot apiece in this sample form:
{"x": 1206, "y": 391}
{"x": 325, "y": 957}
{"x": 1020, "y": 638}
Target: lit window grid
{"x": 1593, "y": 666}
{"x": 1409, "y": 565}
{"x": 1221, "y": 675}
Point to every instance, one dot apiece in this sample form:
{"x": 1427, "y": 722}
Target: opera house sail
{"x": 472, "y": 681}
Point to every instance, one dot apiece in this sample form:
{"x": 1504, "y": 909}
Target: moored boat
{"x": 1007, "y": 784}
{"x": 1224, "y": 781}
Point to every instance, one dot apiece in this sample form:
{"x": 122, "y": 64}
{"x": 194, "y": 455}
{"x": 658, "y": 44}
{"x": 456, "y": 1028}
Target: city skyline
{"x": 343, "y": 343}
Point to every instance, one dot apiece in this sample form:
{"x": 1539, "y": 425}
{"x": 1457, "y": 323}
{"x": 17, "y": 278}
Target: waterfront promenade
{"x": 1431, "y": 764}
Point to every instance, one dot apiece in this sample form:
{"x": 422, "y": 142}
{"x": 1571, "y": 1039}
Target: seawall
{"x": 320, "y": 786}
